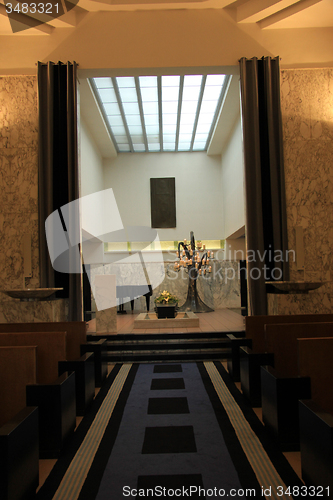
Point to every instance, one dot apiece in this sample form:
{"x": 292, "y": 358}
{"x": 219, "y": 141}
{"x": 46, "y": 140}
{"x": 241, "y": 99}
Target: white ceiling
{"x": 94, "y": 119}
{"x": 266, "y": 14}
{"x": 261, "y": 15}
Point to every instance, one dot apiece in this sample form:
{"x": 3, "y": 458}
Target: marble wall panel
{"x": 307, "y": 115}
{"x": 18, "y": 112}
{"x": 106, "y": 320}
{"x": 18, "y": 179}
{"x": 218, "y": 289}
{"x": 16, "y": 311}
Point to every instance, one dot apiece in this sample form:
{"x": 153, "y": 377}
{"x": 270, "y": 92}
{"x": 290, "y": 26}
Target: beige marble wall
{"x": 219, "y": 289}
{"x": 18, "y": 178}
{"x": 307, "y": 115}
{"x": 33, "y": 311}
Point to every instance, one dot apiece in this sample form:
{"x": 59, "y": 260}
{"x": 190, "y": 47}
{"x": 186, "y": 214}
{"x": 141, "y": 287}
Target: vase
{"x": 166, "y": 311}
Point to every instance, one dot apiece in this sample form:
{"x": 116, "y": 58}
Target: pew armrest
{"x": 19, "y": 456}
{"x": 316, "y": 444}
{"x": 250, "y": 363}
{"x": 84, "y": 380}
{"x": 233, "y": 361}
{"x": 57, "y": 413}
{"x": 280, "y": 395}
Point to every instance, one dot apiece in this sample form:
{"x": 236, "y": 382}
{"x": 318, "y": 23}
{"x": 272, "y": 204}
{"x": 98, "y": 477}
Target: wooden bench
{"x": 316, "y": 415}
{"x": 282, "y": 386}
{"x": 76, "y": 333}
{"x": 255, "y": 325}
{"x": 19, "y": 456}
{"x": 51, "y": 348}
{"x": 100, "y": 364}
{"x": 252, "y": 358}
{"x": 84, "y": 370}
{"x": 54, "y": 397}
{"x": 57, "y": 413}
{"x": 17, "y": 370}
{"x": 49, "y": 358}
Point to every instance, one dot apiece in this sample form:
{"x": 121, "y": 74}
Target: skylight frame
{"x": 128, "y": 88}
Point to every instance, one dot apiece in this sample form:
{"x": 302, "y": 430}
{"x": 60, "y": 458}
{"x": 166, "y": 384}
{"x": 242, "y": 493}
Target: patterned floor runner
{"x": 172, "y": 430}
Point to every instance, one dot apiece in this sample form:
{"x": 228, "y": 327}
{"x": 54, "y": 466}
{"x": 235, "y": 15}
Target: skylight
{"x": 160, "y": 113}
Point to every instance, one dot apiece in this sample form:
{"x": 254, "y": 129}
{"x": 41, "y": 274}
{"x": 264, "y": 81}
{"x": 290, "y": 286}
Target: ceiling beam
{"x": 253, "y": 7}
{"x": 285, "y": 13}
{"x": 143, "y": 125}
{"x": 197, "y": 112}
{"x": 179, "y": 110}
{"x": 122, "y": 112}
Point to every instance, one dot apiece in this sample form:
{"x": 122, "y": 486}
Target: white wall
{"x": 198, "y": 191}
{"x": 232, "y": 174}
{"x": 91, "y": 163}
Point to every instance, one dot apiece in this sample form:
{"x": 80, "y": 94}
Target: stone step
{"x": 167, "y": 355}
{"x": 160, "y": 336}
{"x": 167, "y": 344}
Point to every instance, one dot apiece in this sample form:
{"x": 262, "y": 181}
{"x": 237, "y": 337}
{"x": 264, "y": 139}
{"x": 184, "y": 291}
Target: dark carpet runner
{"x": 170, "y": 430}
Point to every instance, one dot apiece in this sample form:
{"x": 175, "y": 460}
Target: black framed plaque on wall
{"x": 163, "y": 202}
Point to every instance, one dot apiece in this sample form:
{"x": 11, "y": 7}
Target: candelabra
{"x": 195, "y": 265}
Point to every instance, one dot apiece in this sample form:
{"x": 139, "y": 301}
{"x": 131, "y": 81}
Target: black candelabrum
{"x": 195, "y": 265}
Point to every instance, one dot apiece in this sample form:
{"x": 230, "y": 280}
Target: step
{"x": 166, "y": 344}
{"x": 172, "y": 355}
{"x": 115, "y": 337}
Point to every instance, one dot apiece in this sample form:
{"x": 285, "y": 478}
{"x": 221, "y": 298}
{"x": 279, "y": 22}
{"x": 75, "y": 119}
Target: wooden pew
{"x": 281, "y": 386}
{"x": 57, "y": 413}
{"x": 76, "y": 333}
{"x": 17, "y": 370}
{"x": 252, "y": 358}
{"x": 51, "y": 348}
{"x": 316, "y": 415}
{"x": 54, "y": 396}
{"x": 70, "y": 361}
{"x": 84, "y": 370}
{"x": 19, "y": 458}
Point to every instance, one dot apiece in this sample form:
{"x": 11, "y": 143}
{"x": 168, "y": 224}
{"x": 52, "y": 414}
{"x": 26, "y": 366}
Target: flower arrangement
{"x": 166, "y": 298}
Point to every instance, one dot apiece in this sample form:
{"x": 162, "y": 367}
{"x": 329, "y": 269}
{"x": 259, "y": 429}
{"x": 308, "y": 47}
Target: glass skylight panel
{"x": 153, "y": 147}
{"x": 103, "y": 83}
{"x": 111, "y": 108}
{"x": 124, "y": 148}
{"x": 125, "y": 82}
{"x": 128, "y": 94}
{"x": 138, "y": 148}
{"x": 134, "y": 118}
{"x": 170, "y": 97}
{"x": 107, "y": 95}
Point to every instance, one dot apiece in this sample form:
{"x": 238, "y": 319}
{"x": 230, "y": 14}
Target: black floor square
{"x": 167, "y": 406}
{"x": 171, "y": 439}
{"x": 168, "y": 368}
{"x": 160, "y": 384}
{"x": 178, "y": 485}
